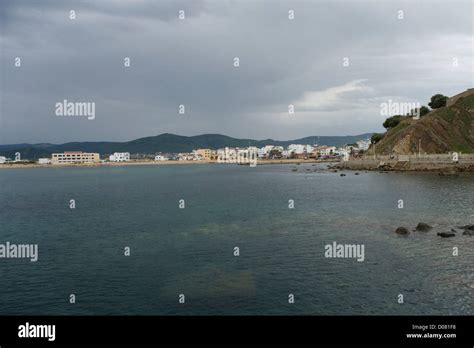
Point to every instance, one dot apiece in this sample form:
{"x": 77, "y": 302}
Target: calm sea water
{"x": 190, "y": 251}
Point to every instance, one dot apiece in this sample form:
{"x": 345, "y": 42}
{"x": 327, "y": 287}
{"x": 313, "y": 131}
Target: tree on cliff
{"x": 376, "y": 137}
{"x": 424, "y": 110}
{"x": 392, "y": 122}
{"x": 438, "y": 101}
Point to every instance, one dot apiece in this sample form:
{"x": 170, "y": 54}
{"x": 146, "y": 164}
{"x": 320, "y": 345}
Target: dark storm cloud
{"x": 190, "y": 62}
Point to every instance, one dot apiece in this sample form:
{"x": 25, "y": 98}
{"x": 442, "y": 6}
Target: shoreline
{"x": 152, "y": 163}
{"x": 442, "y": 168}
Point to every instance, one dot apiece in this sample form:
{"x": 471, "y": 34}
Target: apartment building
{"x": 74, "y": 157}
{"x": 120, "y": 157}
{"x": 205, "y": 154}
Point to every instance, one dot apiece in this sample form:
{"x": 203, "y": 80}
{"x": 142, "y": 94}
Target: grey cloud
{"x": 190, "y": 62}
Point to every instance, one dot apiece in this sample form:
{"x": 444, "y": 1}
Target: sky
{"x": 336, "y": 62}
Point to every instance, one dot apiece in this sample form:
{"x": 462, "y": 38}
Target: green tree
{"x": 392, "y": 122}
{"x": 376, "y": 137}
{"x": 438, "y": 101}
{"x": 424, "y": 110}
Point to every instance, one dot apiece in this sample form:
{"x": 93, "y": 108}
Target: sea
{"x": 221, "y": 239}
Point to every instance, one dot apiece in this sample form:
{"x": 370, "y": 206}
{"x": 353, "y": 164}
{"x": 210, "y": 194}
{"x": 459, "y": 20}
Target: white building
{"x": 227, "y": 155}
{"x": 268, "y": 148}
{"x": 300, "y": 149}
{"x": 44, "y": 161}
{"x": 120, "y": 157}
{"x": 344, "y": 152}
{"x": 2, "y": 159}
{"x": 296, "y": 148}
{"x": 363, "y": 144}
{"x": 186, "y": 156}
{"x": 160, "y": 158}
{"x": 327, "y": 151}
{"x": 247, "y": 156}
{"x": 265, "y": 151}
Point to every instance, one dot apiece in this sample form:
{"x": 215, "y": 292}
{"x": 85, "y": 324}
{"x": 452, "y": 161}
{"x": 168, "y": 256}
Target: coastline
{"x": 151, "y": 163}
{"x": 442, "y": 167}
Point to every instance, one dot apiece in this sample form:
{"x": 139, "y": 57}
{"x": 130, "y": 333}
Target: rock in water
{"x": 422, "y": 227}
{"x": 402, "y": 231}
{"x": 446, "y": 234}
{"x": 343, "y": 174}
{"x": 468, "y": 230}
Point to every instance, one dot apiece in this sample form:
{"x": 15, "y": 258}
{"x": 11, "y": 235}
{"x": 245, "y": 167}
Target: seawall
{"x": 434, "y": 162}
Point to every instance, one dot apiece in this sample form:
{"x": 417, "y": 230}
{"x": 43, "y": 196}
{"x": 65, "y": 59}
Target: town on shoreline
{"x": 160, "y": 163}
{"x": 268, "y": 154}
{"x": 355, "y": 156}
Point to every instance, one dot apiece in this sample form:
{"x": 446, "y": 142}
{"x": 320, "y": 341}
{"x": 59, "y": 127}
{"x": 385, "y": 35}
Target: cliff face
{"x": 443, "y": 130}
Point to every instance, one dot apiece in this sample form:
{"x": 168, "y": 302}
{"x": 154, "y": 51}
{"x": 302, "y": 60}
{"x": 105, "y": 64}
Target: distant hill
{"x": 443, "y": 130}
{"x": 167, "y": 143}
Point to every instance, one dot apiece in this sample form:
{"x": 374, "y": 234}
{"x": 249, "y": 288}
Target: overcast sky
{"x": 191, "y": 62}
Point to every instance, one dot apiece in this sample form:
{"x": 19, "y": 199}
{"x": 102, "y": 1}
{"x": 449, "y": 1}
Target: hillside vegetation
{"x": 442, "y": 130}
